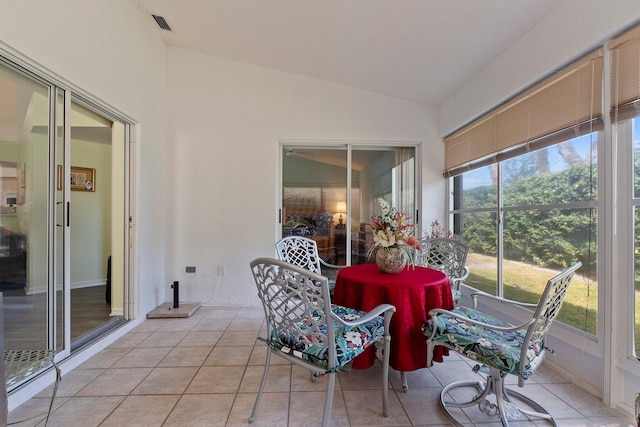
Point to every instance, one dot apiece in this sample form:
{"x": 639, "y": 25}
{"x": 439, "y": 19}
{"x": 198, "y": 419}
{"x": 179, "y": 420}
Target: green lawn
{"x": 524, "y": 282}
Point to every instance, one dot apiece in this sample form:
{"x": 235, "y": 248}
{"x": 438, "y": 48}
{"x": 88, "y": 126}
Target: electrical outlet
{"x": 191, "y": 269}
{"x": 221, "y": 270}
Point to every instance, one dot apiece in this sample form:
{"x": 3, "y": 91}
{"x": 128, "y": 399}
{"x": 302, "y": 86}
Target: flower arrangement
{"x": 393, "y": 229}
{"x": 438, "y": 230}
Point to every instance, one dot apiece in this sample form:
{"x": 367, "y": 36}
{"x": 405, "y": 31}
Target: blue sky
{"x": 481, "y": 177}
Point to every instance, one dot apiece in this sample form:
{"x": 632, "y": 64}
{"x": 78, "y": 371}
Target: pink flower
{"x": 411, "y": 241}
{"x": 439, "y": 231}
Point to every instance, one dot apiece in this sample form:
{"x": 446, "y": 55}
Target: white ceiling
{"x": 422, "y": 50}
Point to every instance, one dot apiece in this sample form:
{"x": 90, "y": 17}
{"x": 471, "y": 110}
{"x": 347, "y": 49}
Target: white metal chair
{"x": 303, "y": 252}
{"x": 502, "y": 347}
{"x": 21, "y": 364}
{"x": 304, "y": 327}
{"x": 446, "y": 255}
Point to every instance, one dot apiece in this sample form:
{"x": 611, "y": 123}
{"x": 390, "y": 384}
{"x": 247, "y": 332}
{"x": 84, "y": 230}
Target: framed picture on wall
{"x": 82, "y": 179}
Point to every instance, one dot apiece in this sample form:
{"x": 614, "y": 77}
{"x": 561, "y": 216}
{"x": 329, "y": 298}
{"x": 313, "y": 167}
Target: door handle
{"x": 68, "y": 214}
{"x": 58, "y": 203}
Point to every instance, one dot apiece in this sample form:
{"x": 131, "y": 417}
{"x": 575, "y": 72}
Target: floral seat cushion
{"x": 351, "y": 341}
{"x": 493, "y": 348}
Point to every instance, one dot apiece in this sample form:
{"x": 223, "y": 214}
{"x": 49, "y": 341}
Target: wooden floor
{"x": 25, "y": 316}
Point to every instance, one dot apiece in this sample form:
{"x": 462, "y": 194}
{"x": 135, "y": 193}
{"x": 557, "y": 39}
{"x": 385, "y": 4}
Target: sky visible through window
{"x": 582, "y": 145}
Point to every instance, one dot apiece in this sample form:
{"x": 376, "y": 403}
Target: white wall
{"x": 226, "y": 120}
{"x": 572, "y": 29}
{"x": 91, "y": 216}
{"x": 107, "y": 49}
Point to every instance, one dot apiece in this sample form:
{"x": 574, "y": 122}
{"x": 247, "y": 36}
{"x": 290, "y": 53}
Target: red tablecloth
{"x": 413, "y": 292}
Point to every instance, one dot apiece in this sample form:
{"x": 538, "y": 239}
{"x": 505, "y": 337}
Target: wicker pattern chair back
{"x": 446, "y": 255}
{"x": 299, "y": 251}
{"x": 303, "y": 252}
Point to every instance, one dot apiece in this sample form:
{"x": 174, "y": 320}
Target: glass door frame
{"x": 349, "y": 147}
{"x": 64, "y": 222}
{"x": 60, "y": 96}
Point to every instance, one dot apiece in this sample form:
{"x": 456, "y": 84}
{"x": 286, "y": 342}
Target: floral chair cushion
{"x": 456, "y": 295}
{"x": 351, "y": 341}
{"x": 493, "y": 348}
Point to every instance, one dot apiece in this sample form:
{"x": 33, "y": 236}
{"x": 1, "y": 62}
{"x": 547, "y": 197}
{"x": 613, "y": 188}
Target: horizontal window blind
{"x": 625, "y": 75}
{"x": 565, "y": 105}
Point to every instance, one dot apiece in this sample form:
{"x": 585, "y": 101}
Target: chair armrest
{"x": 464, "y": 275}
{"x": 372, "y": 314}
{"x": 475, "y": 295}
{"x": 442, "y": 312}
{"x": 456, "y": 281}
{"x": 326, "y": 264}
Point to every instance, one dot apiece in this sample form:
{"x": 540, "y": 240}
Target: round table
{"x": 414, "y": 291}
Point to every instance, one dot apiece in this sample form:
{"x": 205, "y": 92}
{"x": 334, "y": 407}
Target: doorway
{"x": 95, "y": 297}
{"x": 330, "y": 192}
{"x": 63, "y": 214}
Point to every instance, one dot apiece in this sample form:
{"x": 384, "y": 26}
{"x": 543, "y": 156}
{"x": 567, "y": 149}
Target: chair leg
{"x": 262, "y": 384}
{"x": 403, "y": 380}
{"x": 385, "y": 375}
{"x": 328, "y": 399}
{"x": 504, "y": 407}
{"x": 53, "y": 394}
{"x": 540, "y": 412}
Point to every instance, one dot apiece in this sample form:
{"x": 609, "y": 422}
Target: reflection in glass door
{"x": 24, "y": 221}
{"x": 314, "y": 195}
{"x": 379, "y": 172}
{"x": 329, "y": 194}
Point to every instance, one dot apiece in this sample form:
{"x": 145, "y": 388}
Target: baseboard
{"x": 76, "y": 285}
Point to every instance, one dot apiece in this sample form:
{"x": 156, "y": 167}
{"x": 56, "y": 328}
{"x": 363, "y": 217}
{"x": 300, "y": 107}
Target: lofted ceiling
{"x": 420, "y": 50}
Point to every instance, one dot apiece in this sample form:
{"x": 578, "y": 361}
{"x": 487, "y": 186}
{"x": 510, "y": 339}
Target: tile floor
{"x": 205, "y": 371}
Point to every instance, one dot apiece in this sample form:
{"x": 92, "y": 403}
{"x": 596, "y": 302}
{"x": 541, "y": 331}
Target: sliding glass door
{"x": 92, "y": 222}
{"x": 330, "y": 192}
{"x": 62, "y": 215}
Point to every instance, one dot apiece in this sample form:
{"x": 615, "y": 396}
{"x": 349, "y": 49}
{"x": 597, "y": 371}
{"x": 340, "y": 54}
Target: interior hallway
{"x": 205, "y": 371}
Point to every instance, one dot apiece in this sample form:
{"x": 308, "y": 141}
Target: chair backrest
{"x": 547, "y": 310}
{"x": 299, "y": 251}
{"x": 444, "y": 254}
{"x": 294, "y": 298}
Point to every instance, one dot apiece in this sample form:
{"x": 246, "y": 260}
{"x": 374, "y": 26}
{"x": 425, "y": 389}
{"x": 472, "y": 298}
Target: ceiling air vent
{"x": 162, "y": 23}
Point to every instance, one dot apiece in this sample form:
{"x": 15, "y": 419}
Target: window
{"x": 635, "y": 204}
{"x": 547, "y": 207}
{"x": 524, "y": 190}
